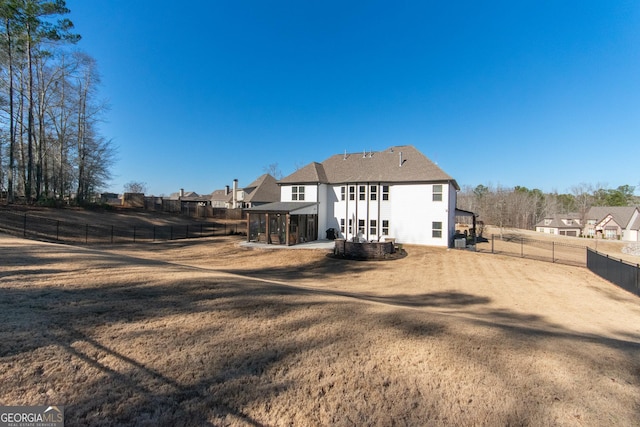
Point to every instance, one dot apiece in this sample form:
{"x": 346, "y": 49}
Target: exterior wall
{"x": 414, "y": 212}
{"x": 410, "y": 212}
{"x": 310, "y": 193}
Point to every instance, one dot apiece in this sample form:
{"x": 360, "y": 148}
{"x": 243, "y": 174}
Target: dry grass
{"x": 209, "y": 333}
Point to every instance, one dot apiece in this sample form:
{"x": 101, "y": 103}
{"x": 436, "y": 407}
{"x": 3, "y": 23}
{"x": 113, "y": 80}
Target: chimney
{"x": 181, "y": 193}
{"x": 235, "y": 194}
{"x": 226, "y": 190}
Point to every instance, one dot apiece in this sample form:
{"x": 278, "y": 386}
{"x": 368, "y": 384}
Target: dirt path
{"x": 210, "y": 332}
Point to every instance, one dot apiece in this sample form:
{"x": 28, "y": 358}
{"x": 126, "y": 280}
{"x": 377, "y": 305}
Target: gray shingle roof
{"x": 263, "y": 189}
{"x": 394, "y": 165}
{"x": 621, "y": 214}
{"x": 281, "y": 207}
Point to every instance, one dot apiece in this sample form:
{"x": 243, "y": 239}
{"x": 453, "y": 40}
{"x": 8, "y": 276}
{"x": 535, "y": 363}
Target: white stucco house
{"x": 396, "y": 193}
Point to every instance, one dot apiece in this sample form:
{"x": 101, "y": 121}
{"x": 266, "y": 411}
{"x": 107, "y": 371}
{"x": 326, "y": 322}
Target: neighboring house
{"x": 606, "y": 222}
{"x": 220, "y": 198}
{"x": 397, "y": 193}
{"x": 263, "y": 190}
{"x": 613, "y": 222}
{"x": 564, "y": 225}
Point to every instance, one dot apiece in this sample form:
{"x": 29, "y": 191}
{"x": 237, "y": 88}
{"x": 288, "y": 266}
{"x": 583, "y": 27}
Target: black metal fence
{"x": 41, "y": 228}
{"x": 617, "y": 271}
{"x": 543, "y": 250}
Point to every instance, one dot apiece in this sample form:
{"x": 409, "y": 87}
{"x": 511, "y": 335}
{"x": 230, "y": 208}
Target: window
{"x": 352, "y": 192}
{"x": 362, "y": 192}
{"x": 385, "y": 227}
{"x": 350, "y": 226}
{"x": 437, "y": 193}
{"x": 436, "y": 229}
{"x": 373, "y": 227}
{"x": 361, "y": 225}
{"x": 297, "y": 193}
{"x": 343, "y": 191}
{"x": 342, "y": 225}
{"x": 385, "y": 192}
{"x": 373, "y": 192}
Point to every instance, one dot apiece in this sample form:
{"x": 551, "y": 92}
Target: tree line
{"x": 50, "y": 146}
{"x": 520, "y": 207}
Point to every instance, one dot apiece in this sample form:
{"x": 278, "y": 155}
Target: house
{"x": 613, "y": 222}
{"x": 606, "y": 222}
{"x": 396, "y": 194}
{"x": 263, "y": 190}
{"x": 563, "y": 224}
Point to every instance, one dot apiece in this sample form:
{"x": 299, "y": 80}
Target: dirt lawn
{"x": 207, "y": 332}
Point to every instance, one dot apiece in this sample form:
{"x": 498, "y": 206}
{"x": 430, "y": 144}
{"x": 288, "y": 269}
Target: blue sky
{"x": 542, "y": 94}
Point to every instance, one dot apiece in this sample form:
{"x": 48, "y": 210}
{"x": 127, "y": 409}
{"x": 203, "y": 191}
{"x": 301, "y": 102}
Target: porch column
{"x": 268, "y": 231}
{"x": 248, "y": 227}
{"x": 287, "y": 226}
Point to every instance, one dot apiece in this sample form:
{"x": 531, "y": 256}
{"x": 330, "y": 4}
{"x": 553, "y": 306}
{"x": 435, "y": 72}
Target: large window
{"x": 362, "y": 192}
{"x": 436, "y": 229}
{"x": 373, "y": 227}
{"x": 373, "y": 193}
{"x": 342, "y": 225}
{"x": 385, "y": 227}
{"x": 385, "y": 192}
{"x": 297, "y": 192}
{"x": 361, "y": 226}
{"x": 352, "y": 192}
{"x": 343, "y": 191}
{"x": 437, "y": 193}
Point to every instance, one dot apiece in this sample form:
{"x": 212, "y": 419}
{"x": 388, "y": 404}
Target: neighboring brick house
{"x": 607, "y": 222}
{"x": 396, "y": 193}
{"x": 613, "y": 222}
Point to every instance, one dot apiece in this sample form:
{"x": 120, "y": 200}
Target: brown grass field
{"x": 208, "y": 332}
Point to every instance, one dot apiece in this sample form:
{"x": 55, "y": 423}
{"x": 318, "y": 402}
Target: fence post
{"x": 492, "y": 238}
{"x": 522, "y": 247}
{"x": 24, "y": 226}
{"x": 553, "y": 251}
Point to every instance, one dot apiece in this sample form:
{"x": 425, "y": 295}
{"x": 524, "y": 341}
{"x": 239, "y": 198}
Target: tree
{"x": 135, "y": 187}
{"x": 273, "y": 170}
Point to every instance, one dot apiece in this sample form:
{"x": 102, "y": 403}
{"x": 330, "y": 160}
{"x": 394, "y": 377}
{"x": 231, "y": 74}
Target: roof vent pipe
{"x": 400, "y": 158}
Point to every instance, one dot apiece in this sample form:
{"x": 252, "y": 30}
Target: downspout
{"x": 367, "y": 196}
{"x": 379, "y": 192}
{"x": 346, "y": 212}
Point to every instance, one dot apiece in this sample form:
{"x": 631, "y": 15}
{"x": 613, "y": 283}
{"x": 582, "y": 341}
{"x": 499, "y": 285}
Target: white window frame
{"x": 436, "y": 232}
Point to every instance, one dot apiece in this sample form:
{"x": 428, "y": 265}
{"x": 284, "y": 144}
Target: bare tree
{"x": 135, "y": 187}
{"x": 273, "y": 170}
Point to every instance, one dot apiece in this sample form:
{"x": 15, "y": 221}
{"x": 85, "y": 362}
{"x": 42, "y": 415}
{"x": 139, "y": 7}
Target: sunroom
{"x": 283, "y": 223}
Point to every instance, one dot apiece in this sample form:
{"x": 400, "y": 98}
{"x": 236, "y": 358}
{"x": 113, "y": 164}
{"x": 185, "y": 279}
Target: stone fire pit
{"x": 366, "y": 250}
